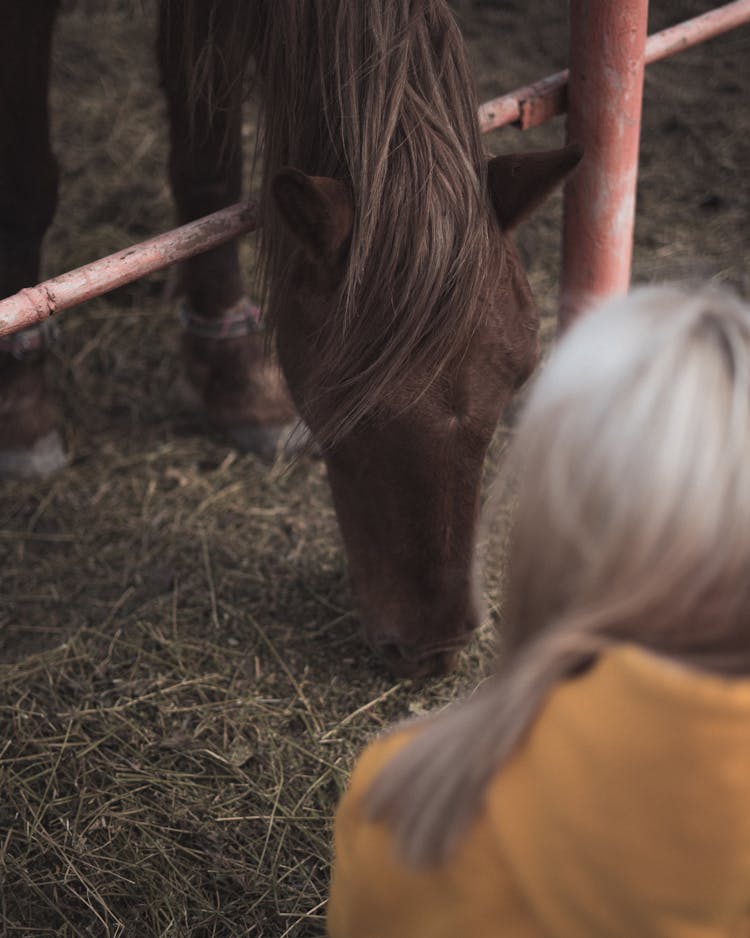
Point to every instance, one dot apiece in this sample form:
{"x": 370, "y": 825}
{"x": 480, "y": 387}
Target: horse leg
{"x": 30, "y": 442}
{"x": 222, "y": 345}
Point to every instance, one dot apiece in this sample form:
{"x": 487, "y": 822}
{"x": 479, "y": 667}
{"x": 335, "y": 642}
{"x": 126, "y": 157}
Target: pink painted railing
{"x": 526, "y": 106}
{"x": 534, "y": 104}
{"x": 34, "y": 304}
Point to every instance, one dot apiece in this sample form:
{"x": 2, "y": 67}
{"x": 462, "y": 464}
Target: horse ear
{"x": 318, "y": 212}
{"x": 520, "y": 182}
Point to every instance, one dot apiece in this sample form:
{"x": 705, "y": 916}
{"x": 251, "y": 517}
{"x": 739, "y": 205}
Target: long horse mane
{"x": 380, "y": 96}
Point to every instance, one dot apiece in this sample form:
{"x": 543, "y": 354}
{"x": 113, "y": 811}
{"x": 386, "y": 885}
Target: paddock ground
{"x": 182, "y": 682}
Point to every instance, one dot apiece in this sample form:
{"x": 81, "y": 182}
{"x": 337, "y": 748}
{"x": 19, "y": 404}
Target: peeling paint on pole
{"x": 605, "y": 91}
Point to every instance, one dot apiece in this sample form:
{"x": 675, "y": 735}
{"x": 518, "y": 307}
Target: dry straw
{"x": 183, "y": 688}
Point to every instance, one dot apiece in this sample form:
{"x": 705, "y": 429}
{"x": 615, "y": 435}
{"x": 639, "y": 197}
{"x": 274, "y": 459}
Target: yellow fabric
{"x": 625, "y": 814}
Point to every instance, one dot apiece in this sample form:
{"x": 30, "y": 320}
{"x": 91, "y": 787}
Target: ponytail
{"x": 431, "y": 790}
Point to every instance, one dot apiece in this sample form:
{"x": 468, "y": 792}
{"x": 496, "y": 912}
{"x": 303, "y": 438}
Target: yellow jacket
{"x": 625, "y": 814}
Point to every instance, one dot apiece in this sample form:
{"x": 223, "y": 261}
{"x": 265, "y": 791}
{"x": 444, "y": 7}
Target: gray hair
{"x": 632, "y": 524}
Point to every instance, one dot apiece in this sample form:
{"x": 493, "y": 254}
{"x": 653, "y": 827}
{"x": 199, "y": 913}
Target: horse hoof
{"x": 42, "y": 458}
{"x": 271, "y": 441}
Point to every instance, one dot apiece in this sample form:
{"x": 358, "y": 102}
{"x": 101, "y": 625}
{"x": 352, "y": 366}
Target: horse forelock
{"x": 379, "y": 95}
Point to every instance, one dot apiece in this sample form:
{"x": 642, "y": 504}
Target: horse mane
{"x": 380, "y": 96}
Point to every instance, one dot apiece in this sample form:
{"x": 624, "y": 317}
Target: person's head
{"x": 633, "y": 467}
{"x": 632, "y": 524}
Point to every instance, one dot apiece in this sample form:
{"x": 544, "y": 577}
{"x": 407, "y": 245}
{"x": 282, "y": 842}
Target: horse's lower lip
{"x": 448, "y": 648}
{"x": 434, "y": 664}
{"x": 415, "y": 655}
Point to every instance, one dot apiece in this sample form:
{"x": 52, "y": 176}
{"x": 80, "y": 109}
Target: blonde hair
{"x": 632, "y": 524}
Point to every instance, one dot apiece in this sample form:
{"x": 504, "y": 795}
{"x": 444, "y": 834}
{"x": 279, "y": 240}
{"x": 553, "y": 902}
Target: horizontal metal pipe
{"x": 701, "y": 28}
{"x": 534, "y": 104}
{"x": 527, "y": 106}
{"x": 35, "y": 304}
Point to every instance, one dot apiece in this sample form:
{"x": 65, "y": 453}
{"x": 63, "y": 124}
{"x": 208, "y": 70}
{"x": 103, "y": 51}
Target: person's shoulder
{"x": 351, "y": 824}
{"x": 378, "y": 753}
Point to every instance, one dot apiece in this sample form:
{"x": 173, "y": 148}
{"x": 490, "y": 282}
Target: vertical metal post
{"x": 605, "y": 91}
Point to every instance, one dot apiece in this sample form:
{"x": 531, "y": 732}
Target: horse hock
{"x": 226, "y": 366}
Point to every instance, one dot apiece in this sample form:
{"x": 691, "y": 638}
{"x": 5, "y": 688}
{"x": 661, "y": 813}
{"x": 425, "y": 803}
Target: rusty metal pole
{"x": 605, "y": 92}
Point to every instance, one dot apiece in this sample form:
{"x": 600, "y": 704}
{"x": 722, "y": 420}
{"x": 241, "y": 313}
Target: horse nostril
{"x": 393, "y": 656}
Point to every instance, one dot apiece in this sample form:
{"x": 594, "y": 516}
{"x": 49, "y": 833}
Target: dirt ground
{"x": 182, "y": 682}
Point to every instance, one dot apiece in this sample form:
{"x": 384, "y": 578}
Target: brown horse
{"x": 402, "y": 316}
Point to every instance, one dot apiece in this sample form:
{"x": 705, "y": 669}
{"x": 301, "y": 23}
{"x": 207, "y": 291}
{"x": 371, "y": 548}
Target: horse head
{"x": 406, "y": 478}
